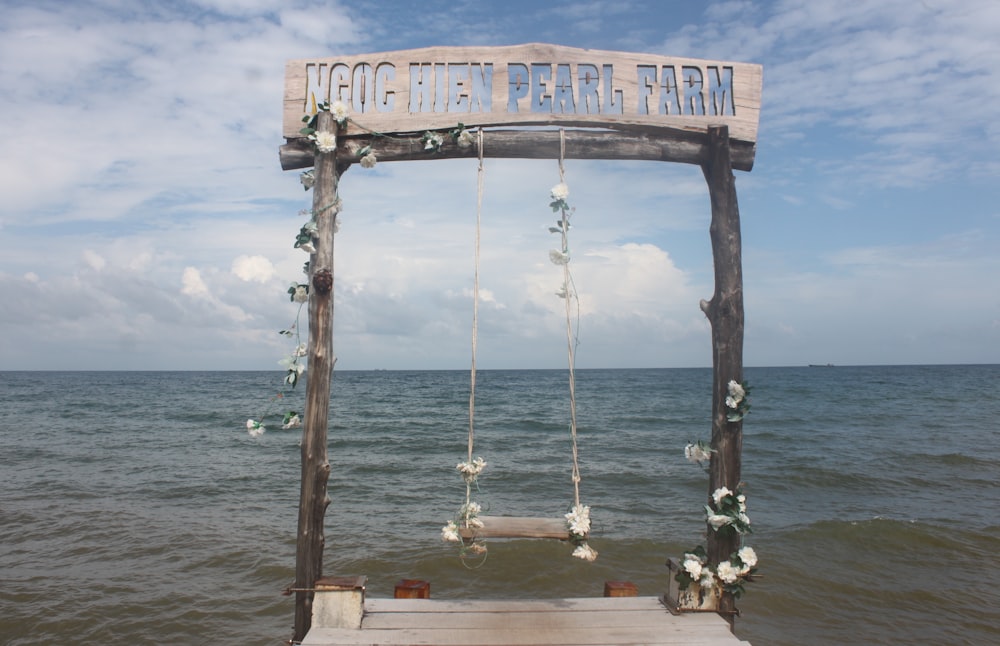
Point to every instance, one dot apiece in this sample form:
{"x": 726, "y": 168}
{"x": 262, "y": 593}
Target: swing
{"x": 574, "y": 526}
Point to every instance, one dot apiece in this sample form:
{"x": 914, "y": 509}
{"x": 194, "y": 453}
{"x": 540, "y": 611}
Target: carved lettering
{"x": 385, "y": 99}
{"x": 612, "y": 97}
{"x": 421, "y": 87}
{"x": 563, "y": 100}
{"x": 532, "y": 85}
{"x": 518, "y": 85}
{"x": 589, "y": 82}
{"x": 694, "y": 102}
{"x": 541, "y": 74}
{"x": 720, "y": 90}
{"x": 317, "y": 87}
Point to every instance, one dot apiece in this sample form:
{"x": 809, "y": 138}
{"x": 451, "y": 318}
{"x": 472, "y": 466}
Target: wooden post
{"x": 725, "y": 313}
{"x": 339, "y": 602}
{"x": 313, "y": 498}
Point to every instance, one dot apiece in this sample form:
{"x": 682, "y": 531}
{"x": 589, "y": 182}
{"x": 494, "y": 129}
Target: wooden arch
{"x": 611, "y": 105}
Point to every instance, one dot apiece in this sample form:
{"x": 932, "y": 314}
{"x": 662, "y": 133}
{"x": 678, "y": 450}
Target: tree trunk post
{"x": 313, "y": 498}
{"x": 725, "y": 313}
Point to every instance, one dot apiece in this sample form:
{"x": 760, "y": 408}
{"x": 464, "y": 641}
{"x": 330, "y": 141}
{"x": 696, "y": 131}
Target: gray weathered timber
{"x": 313, "y": 498}
{"x": 518, "y": 527}
{"x": 725, "y": 313}
{"x": 430, "y": 89}
{"x": 636, "y": 144}
{"x": 607, "y": 620}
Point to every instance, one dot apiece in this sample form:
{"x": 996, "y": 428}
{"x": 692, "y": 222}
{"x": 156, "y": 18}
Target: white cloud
{"x": 192, "y": 284}
{"x": 144, "y": 207}
{"x": 253, "y": 268}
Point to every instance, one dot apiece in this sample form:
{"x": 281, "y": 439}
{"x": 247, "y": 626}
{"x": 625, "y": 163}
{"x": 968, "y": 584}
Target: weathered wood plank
{"x": 634, "y": 144}
{"x": 516, "y": 637}
{"x": 615, "y": 620}
{"x": 498, "y": 620}
{"x": 531, "y": 84}
{"x": 577, "y": 604}
{"x": 518, "y": 527}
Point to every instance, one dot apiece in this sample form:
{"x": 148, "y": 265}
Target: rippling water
{"x": 134, "y": 507}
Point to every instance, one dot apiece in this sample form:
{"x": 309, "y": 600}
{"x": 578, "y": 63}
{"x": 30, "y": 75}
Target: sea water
{"x": 136, "y": 509}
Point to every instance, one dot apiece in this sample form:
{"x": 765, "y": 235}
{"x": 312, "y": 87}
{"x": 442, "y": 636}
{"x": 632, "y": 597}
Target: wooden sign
{"x": 528, "y": 85}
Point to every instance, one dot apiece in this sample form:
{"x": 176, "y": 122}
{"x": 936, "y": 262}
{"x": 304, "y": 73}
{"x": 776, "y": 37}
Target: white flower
{"x": 473, "y": 468}
{"x": 293, "y": 422}
{"x": 748, "y": 557}
{"x": 727, "y": 572}
{"x": 744, "y": 518}
{"x": 301, "y": 350}
{"x": 339, "y": 112}
{"x": 369, "y": 160}
{"x": 719, "y": 494}
{"x": 254, "y": 428}
{"x": 732, "y": 403}
{"x": 308, "y": 179}
{"x": 560, "y": 192}
{"x": 692, "y": 565}
{"x": 295, "y": 369}
{"x": 578, "y": 520}
{"x": 707, "y": 579}
{"x": 470, "y": 510}
{"x": 450, "y": 532}
{"x": 465, "y": 139}
{"x": 558, "y": 257}
{"x": 736, "y": 390}
{"x": 697, "y": 453}
{"x": 718, "y": 520}
{"x": 432, "y": 141}
{"x": 475, "y": 523}
{"x": 301, "y": 294}
{"x": 307, "y": 247}
{"x": 326, "y": 142}
{"x": 585, "y": 552}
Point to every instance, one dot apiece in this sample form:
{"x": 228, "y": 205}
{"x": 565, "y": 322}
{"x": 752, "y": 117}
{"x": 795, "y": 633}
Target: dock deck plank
{"x": 587, "y": 622}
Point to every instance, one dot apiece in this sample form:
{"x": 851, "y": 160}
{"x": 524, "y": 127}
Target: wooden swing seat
{"x": 518, "y": 527}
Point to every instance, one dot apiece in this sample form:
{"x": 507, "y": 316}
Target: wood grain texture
{"x": 614, "y": 620}
{"x": 629, "y": 96}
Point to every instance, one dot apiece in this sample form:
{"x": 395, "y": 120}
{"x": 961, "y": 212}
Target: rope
{"x": 570, "y": 291}
{"x": 475, "y": 314}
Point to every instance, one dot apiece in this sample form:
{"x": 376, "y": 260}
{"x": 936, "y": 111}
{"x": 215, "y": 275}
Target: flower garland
{"x": 726, "y": 515}
{"x": 578, "y": 518}
{"x": 326, "y": 142}
{"x": 737, "y": 400}
{"x": 298, "y": 293}
{"x": 578, "y": 523}
{"x": 468, "y": 513}
{"x": 731, "y": 574}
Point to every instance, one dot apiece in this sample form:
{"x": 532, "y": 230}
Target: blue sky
{"x": 145, "y": 222}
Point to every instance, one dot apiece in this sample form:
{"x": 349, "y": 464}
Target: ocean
{"x": 136, "y": 509}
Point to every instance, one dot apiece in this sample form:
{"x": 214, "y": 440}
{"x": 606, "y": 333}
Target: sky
{"x": 146, "y": 224}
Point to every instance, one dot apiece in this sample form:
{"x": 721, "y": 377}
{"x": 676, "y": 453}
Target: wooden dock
{"x": 585, "y": 621}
